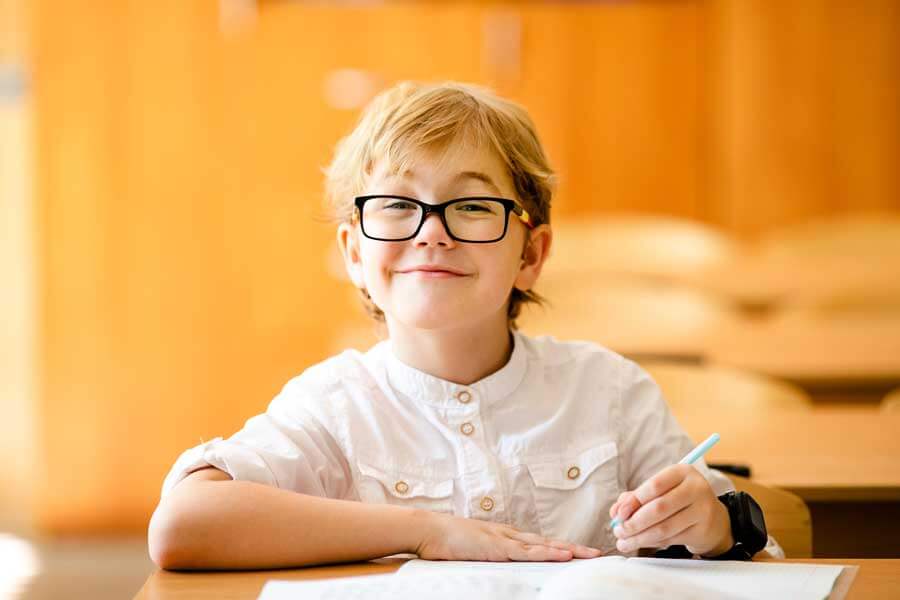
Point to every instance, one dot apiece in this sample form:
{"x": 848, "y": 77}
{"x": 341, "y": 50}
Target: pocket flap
{"x": 401, "y": 485}
{"x": 569, "y": 473}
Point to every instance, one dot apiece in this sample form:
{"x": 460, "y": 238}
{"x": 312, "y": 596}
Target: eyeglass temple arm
{"x": 523, "y": 216}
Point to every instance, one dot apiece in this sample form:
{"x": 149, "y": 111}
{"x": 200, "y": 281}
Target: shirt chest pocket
{"x": 429, "y": 491}
{"x": 572, "y": 493}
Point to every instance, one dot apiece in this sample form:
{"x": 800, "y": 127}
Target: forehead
{"x": 456, "y": 165}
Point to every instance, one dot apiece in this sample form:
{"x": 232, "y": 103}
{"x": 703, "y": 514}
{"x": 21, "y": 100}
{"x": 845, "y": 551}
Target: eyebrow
{"x": 477, "y": 175}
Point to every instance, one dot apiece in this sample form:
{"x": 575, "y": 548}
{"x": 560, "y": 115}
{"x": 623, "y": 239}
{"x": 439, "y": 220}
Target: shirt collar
{"x": 423, "y": 387}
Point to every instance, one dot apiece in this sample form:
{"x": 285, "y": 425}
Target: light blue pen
{"x": 690, "y": 459}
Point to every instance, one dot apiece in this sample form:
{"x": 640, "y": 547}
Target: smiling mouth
{"x": 432, "y": 274}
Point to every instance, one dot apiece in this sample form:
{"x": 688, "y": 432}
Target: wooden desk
{"x": 818, "y": 354}
{"x": 844, "y": 463}
{"x": 820, "y": 454}
{"x": 877, "y": 578}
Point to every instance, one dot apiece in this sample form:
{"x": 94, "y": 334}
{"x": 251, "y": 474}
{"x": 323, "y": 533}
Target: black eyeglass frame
{"x": 510, "y": 206}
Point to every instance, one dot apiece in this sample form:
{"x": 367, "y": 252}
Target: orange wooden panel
{"x": 804, "y": 117}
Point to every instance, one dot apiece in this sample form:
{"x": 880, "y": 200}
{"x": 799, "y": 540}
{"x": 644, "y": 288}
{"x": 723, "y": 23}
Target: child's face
{"x": 416, "y": 299}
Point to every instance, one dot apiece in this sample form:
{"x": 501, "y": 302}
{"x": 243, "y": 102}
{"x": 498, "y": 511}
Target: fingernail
{"x": 625, "y": 546}
{"x": 618, "y": 531}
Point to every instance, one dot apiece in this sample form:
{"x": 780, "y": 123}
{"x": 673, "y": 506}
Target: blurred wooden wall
{"x": 184, "y": 277}
{"x": 803, "y": 105}
{"x": 17, "y": 277}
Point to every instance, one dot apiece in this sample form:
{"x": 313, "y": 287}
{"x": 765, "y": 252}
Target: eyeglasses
{"x": 476, "y": 219}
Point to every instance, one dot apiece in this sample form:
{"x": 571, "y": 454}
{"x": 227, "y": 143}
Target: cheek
{"x": 502, "y": 268}
{"x": 496, "y": 276}
{"x": 378, "y": 259}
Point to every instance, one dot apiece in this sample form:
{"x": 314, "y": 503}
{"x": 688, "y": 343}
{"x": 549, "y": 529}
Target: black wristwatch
{"x": 748, "y": 527}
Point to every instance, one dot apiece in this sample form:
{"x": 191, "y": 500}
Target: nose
{"x": 433, "y": 233}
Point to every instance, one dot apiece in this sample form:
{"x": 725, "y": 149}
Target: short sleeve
{"x": 651, "y": 437}
{"x": 285, "y": 447}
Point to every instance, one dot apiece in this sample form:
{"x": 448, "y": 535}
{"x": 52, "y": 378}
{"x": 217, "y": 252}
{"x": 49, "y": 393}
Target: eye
{"x": 473, "y": 206}
{"x": 400, "y": 205}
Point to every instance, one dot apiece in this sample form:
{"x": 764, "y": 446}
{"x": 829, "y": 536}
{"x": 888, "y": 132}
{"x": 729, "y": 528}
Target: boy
{"x": 457, "y": 437}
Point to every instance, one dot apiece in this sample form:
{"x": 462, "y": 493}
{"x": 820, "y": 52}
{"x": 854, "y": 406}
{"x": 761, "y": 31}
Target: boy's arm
{"x": 209, "y": 521}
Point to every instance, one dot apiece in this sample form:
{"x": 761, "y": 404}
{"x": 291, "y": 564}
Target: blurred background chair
{"x": 843, "y": 262}
{"x": 891, "y": 402}
{"x": 690, "y": 388}
{"x": 633, "y": 317}
{"x": 865, "y": 235}
{"x": 658, "y": 247}
{"x": 815, "y": 350}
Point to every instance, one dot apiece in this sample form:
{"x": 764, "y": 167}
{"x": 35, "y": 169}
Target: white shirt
{"x": 546, "y": 444}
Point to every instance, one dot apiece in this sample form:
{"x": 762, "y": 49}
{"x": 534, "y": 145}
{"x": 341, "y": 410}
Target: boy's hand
{"x": 675, "y": 506}
{"x": 447, "y": 537}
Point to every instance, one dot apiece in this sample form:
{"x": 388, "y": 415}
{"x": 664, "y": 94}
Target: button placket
{"x": 482, "y": 495}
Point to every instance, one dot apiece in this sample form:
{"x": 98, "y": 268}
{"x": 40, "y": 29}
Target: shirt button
{"x": 401, "y": 487}
{"x": 487, "y": 504}
{"x": 573, "y": 472}
{"x": 467, "y": 428}
{"x": 464, "y": 397}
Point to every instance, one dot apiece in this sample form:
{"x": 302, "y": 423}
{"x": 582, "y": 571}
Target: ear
{"x": 536, "y": 252}
{"x": 348, "y": 242}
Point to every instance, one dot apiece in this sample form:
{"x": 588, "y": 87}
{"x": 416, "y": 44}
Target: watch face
{"x": 755, "y": 535}
{"x": 756, "y": 517}
{"x": 747, "y": 523}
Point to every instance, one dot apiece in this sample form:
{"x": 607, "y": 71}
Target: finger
{"x": 528, "y": 537}
{"x": 523, "y": 551}
{"x": 681, "y": 537}
{"x": 627, "y": 506}
{"x": 577, "y": 550}
{"x": 662, "y": 482}
{"x": 618, "y": 503}
{"x": 655, "y": 511}
{"x": 671, "y": 528}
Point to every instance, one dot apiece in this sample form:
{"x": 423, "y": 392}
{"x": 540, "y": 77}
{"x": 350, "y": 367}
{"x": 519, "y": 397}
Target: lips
{"x": 436, "y": 269}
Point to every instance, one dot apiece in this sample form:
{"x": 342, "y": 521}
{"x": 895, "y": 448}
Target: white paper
{"x": 435, "y": 586}
{"x": 452, "y": 580}
{"x": 533, "y": 573}
{"x": 753, "y": 580}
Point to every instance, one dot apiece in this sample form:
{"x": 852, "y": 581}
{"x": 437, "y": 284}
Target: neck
{"x": 460, "y": 355}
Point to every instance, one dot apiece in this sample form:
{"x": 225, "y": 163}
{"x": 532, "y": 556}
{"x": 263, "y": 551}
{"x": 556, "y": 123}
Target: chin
{"x": 428, "y": 317}
{"x": 426, "y": 322}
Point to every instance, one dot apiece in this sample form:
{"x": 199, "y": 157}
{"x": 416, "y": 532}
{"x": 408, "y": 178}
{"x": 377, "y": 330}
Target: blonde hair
{"x": 410, "y": 118}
